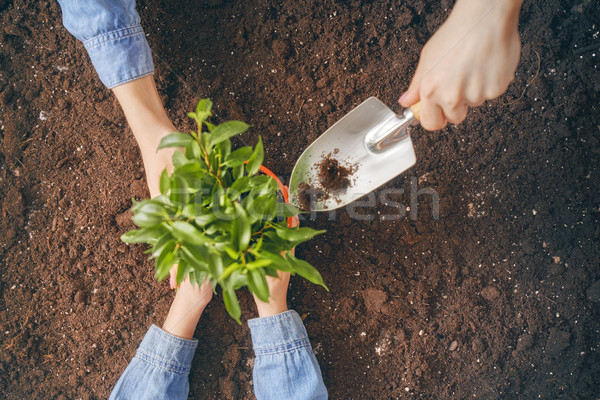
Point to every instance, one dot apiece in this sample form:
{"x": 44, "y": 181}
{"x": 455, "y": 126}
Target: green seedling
{"x": 217, "y": 217}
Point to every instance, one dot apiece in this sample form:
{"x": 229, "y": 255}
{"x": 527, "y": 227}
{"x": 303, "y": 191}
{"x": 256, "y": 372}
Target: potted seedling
{"x": 219, "y": 216}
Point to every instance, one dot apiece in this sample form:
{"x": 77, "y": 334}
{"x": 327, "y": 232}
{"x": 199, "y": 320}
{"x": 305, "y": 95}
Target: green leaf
{"x": 211, "y": 127}
{"x": 305, "y": 270}
{"x": 165, "y": 261}
{"x": 259, "y": 263}
{"x": 180, "y": 193}
{"x": 239, "y": 186}
{"x": 258, "y": 284}
{"x": 298, "y": 234}
{"x": 237, "y": 280}
{"x": 260, "y": 180}
{"x": 197, "y": 277}
{"x": 231, "y": 304}
{"x": 256, "y": 159}
{"x": 278, "y": 261}
{"x": 225, "y": 147}
{"x": 229, "y": 270}
{"x": 227, "y": 130}
{"x": 179, "y": 159}
{"x": 166, "y": 242}
{"x": 204, "y": 106}
{"x": 205, "y": 219}
{"x": 285, "y": 210}
{"x": 240, "y": 229}
{"x": 234, "y": 255}
{"x": 237, "y": 172}
{"x": 147, "y": 220}
{"x": 193, "y": 256}
{"x": 164, "y": 183}
{"x": 183, "y": 269}
{"x": 189, "y": 233}
{"x": 145, "y": 235}
{"x": 193, "y": 151}
{"x": 189, "y": 168}
{"x": 238, "y": 157}
{"x": 175, "y": 139}
{"x": 215, "y": 264}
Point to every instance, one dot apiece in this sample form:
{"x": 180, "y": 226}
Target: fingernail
{"x": 172, "y": 282}
{"x": 402, "y": 97}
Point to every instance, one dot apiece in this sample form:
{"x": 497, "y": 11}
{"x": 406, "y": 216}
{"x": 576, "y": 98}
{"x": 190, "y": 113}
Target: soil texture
{"x": 475, "y": 274}
{"x": 334, "y": 176}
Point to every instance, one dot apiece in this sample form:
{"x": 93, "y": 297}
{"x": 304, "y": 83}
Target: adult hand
{"x": 471, "y": 58}
{"x": 278, "y": 290}
{"x": 187, "y": 307}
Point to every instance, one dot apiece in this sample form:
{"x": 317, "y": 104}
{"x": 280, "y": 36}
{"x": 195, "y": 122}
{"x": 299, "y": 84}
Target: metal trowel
{"x": 371, "y": 140}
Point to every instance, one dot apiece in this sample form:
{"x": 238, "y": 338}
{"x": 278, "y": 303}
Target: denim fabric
{"x": 159, "y": 369}
{"x": 111, "y": 33}
{"x": 285, "y": 366}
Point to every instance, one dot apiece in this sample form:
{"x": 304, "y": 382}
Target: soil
{"x": 495, "y": 299}
{"x": 308, "y": 194}
{"x": 334, "y": 176}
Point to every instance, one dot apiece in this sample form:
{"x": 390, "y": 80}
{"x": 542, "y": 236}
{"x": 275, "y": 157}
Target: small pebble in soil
{"x": 453, "y": 346}
{"x": 593, "y": 292}
{"x": 490, "y": 293}
{"x": 478, "y": 345}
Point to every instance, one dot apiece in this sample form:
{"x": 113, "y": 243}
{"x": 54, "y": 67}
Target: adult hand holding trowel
{"x": 470, "y": 59}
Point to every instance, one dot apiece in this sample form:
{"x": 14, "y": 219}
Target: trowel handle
{"x": 416, "y": 110}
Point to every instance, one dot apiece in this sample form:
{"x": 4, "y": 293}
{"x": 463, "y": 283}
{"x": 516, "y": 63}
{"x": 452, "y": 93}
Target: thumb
{"x": 173, "y": 277}
{"x": 411, "y": 96}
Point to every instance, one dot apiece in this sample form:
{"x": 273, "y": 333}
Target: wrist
{"x": 269, "y": 309}
{"x": 183, "y": 316}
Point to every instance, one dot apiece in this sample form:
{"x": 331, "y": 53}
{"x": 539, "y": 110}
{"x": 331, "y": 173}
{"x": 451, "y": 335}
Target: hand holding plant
{"x": 217, "y": 218}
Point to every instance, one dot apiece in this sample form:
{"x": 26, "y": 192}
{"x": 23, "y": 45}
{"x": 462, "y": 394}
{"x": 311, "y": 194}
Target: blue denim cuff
{"x": 278, "y": 333}
{"x": 120, "y": 56}
{"x": 167, "y": 351}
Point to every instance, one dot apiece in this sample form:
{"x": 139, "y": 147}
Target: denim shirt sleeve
{"x": 159, "y": 369}
{"x": 113, "y": 37}
{"x": 285, "y": 365}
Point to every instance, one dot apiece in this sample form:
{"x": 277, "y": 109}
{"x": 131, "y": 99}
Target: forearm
{"x": 149, "y": 122}
{"x": 285, "y": 365}
{"x": 505, "y": 13}
{"x": 144, "y": 111}
{"x": 159, "y": 369}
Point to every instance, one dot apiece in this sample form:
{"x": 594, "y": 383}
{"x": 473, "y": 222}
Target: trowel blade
{"x": 345, "y": 142}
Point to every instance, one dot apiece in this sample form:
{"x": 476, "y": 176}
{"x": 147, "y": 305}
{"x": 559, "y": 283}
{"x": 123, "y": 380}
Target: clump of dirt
{"x": 333, "y": 175}
{"x": 307, "y": 193}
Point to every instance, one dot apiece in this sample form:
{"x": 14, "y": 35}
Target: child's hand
{"x": 187, "y": 307}
{"x": 278, "y": 288}
{"x": 471, "y": 58}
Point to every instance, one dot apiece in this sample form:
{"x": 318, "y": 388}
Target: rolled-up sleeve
{"x": 159, "y": 370}
{"x": 110, "y": 31}
{"x": 285, "y": 365}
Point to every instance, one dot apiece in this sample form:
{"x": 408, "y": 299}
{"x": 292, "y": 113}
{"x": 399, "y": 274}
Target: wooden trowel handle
{"x": 416, "y": 110}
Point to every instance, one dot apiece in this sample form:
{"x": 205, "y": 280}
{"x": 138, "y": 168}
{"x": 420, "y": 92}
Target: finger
{"x": 432, "y": 116}
{"x": 173, "y": 277}
{"x": 457, "y": 114}
{"x": 412, "y": 95}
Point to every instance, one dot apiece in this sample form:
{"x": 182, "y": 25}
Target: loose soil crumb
{"x": 332, "y": 175}
{"x": 307, "y": 194}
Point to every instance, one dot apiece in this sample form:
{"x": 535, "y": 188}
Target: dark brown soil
{"x": 496, "y": 299}
{"x": 308, "y": 195}
{"x": 334, "y": 176}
